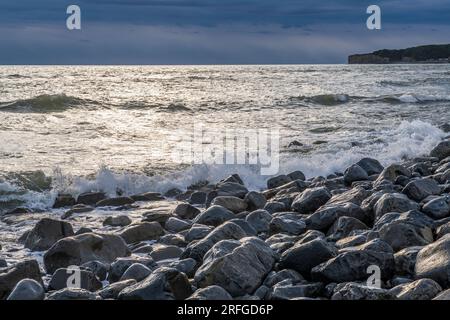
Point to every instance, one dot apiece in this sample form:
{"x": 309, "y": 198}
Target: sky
{"x": 213, "y": 31}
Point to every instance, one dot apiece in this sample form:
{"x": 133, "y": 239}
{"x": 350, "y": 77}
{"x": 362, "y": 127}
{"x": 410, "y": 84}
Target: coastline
{"x": 309, "y": 239}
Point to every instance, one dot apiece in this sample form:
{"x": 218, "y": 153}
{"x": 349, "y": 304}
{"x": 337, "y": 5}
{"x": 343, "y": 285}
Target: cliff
{"x": 421, "y": 54}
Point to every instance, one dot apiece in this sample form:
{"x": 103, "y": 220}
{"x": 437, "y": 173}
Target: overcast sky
{"x": 213, "y": 31}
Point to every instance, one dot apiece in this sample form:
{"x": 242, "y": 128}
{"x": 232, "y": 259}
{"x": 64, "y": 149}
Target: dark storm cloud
{"x": 212, "y": 31}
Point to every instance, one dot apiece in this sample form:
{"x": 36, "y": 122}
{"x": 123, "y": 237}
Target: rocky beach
{"x": 371, "y": 232}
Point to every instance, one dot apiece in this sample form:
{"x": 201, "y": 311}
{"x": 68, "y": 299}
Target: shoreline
{"x": 309, "y": 239}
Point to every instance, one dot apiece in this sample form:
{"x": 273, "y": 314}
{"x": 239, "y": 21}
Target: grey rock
{"x": 148, "y": 196}
{"x": 343, "y": 226}
{"x": 117, "y": 221}
{"x": 63, "y": 278}
{"x": 371, "y": 166}
{"x": 443, "y": 230}
{"x": 9, "y": 277}
{"x": 27, "y": 289}
{"x": 214, "y": 216}
{"x": 3, "y": 263}
{"x": 186, "y": 266}
{"x": 355, "y": 173}
{"x": 310, "y": 200}
{"x": 197, "y": 232}
{"x": 287, "y": 223}
{"x": 394, "y": 202}
{"x": 46, "y": 233}
{"x": 177, "y": 225}
{"x": 198, "y": 197}
{"x": 444, "y": 295}
{"x": 112, "y": 291}
{"x": 433, "y": 262}
{"x": 114, "y": 202}
{"x": 84, "y": 248}
{"x": 90, "y": 198}
{"x": 357, "y": 291}
{"x": 186, "y": 211}
{"x": 405, "y": 261}
{"x": 278, "y": 181}
{"x": 233, "y": 204}
{"x": 173, "y": 240}
{"x": 141, "y": 232}
{"x": 259, "y": 220}
{"x": 119, "y": 266}
{"x": 391, "y": 173}
{"x": 297, "y": 175}
{"x": 423, "y": 289}
{"x": 64, "y": 200}
{"x": 162, "y": 284}
{"x": 211, "y": 293}
{"x": 289, "y": 292}
{"x": 438, "y": 208}
{"x": 401, "y": 234}
{"x": 442, "y": 150}
{"x": 421, "y": 188}
{"x": 164, "y": 252}
{"x": 255, "y": 200}
{"x": 274, "y": 207}
{"x": 137, "y": 272}
{"x": 249, "y": 230}
{"x": 73, "y": 294}
{"x": 305, "y": 256}
{"x": 324, "y": 218}
{"x": 100, "y": 269}
{"x": 231, "y": 189}
{"x": 237, "y": 266}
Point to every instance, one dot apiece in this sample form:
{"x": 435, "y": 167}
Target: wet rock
{"x": 3, "y": 263}
{"x": 173, "y": 240}
{"x": 305, "y": 256}
{"x": 421, "y": 188}
{"x": 63, "y": 278}
{"x": 438, "y": 208}
{"x": 445, "y": 295}
{"x": 278, "y": 181}
{"x": 211, "y": 293}
{"x": 237, "y": 266}
{"x": 83, "y": 230}
{"x": 297, "y": 175}
{"x": 112, "y": 291}
{"x": 255, "y": 200}
{"x": 186, "y": 266}
{"x": 186, "y": 211}
{"x": 177, "y": 225}
{"x": 142, "y": 232}
{"x": 27, "y": 289}
{"x": 114, "y": 202}
{"x": 259, "y": 220}
{"x": 73, "y": 294}
{"x": 289, "y": 292}
{"x": 287, "y": 223}
{"x": 148, "y": 196}
{"x": 310, "y": 200}
{"x": 358, "y": 291}
{"x": 155, "y": 216}
{"x": 355, "y": 173}
{"x": 100, "y": 269}
{"x": 391, "y": 173}
{"x": 228, "y": 230}
{"x": 47, "y": 232}
{"x": 162, "y": 284}
{"x": 442, "y": 230}
{"x": 164, "y": 252}
{"x": 9, "y": 277}
{"x": 248, "y": 229}
{"x": 423, "y": 289}
{"x": 371, "y": 166}
{"x": 197, "y": 232}
{"x": 233, "y": 204}
{"x": 394, "y": 202}
{"x": 214, "y": 216}
{"x": 353, "y": 266}
{"x": 119, "y": 266}
{"x": 433, "y": 262}
{"x": 324, "y": 218}
{"x": 117, "y": 221}
{"x": 84, "y": 248}
{"x": 90, "y": 198}
{"x": 343, "y": 227}
{"x": 405, "y": 261}
{"x": 198, "y": 197}
{"x": 64, "y": 200}
{"x": 351, "y": 241}
{"x": 76, "y": 209}
{"x": 442, "y": 150}
{"x": 231, "y": 189}
{"x": 274, "y": 207}
{"x": 137, "y": 272}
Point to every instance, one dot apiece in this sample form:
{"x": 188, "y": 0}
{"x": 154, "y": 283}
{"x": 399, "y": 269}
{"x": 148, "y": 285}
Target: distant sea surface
{"x": 80, "y": 128}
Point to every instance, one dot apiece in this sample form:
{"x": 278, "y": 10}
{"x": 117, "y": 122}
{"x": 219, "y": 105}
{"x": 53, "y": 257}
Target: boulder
{"x": 259, "y": 220}
{"x": 310, "y": 200}
{"x": 197, "y": 232}
{"x": 255, "y": 200}
{"x": 114, "y": 202}
{"x": 176, "y": 225}
{"x": 237, "y": 266}
{"x": 100, "y": 269}
{"x": 186, "y": 211}
{"x": 214, "y": 216}
{"x": 119, "y": 266}
{"x": 324, "y": 218}
{"x": 142, "y": 232}
{"x": 394, "y": 202}
{"x": 164, "y": 252}
{"x": 63, "y": 278}
{"x": 343, "y": 227}
{"x": 64, "y": 200}
{"x": 402, "y": 234}
{"x": 371, "y": 166}
{"x": 438, "y": 208}
{"x": 137, "y": 272}
{"x": 445, "y": 295}
{"x": 421, "y": 188}
{"x": 27, "y": 289}
{"x": 442, "y": 150}
{"x": 117, "y": 221}
{"x": 391, "y": 173}
{"x": 353, "y": 266}
{"x": 278, "y": 181}
{"x": 46, "y": 233}
{"x": 211, "y": 293}
{"x": 231, "y": 189}
{"x": 162, "y": 284}
{"x": 112, "y": 291}
{"x": 358, "y": 291}
{"x": 233, "y": 204}
{"x": 10, "y": 276}
{"x": 84, "y": 248}
{"x": 294, "y": 291}
{"x": 198, "y": 197}
{"x": 423, "y": 289}
{"x": 284, "y": 275}
{"x": 73, "y": 294}
{"x": 302, "y": 257}
{"x": 274, "y": 207}
{"x": 148, "y": 196}
{"x": 287, "y": 223}
{"x": 405, "y": 261}
{"x": 433, "y": 262}
{"x": 355, "y": 173}
{"x": 90, "y": 198}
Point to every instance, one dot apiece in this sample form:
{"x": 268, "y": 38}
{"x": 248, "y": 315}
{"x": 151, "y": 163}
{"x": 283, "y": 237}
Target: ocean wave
{"x": 406, "y": 140}
{"x": 46, "y": 103}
